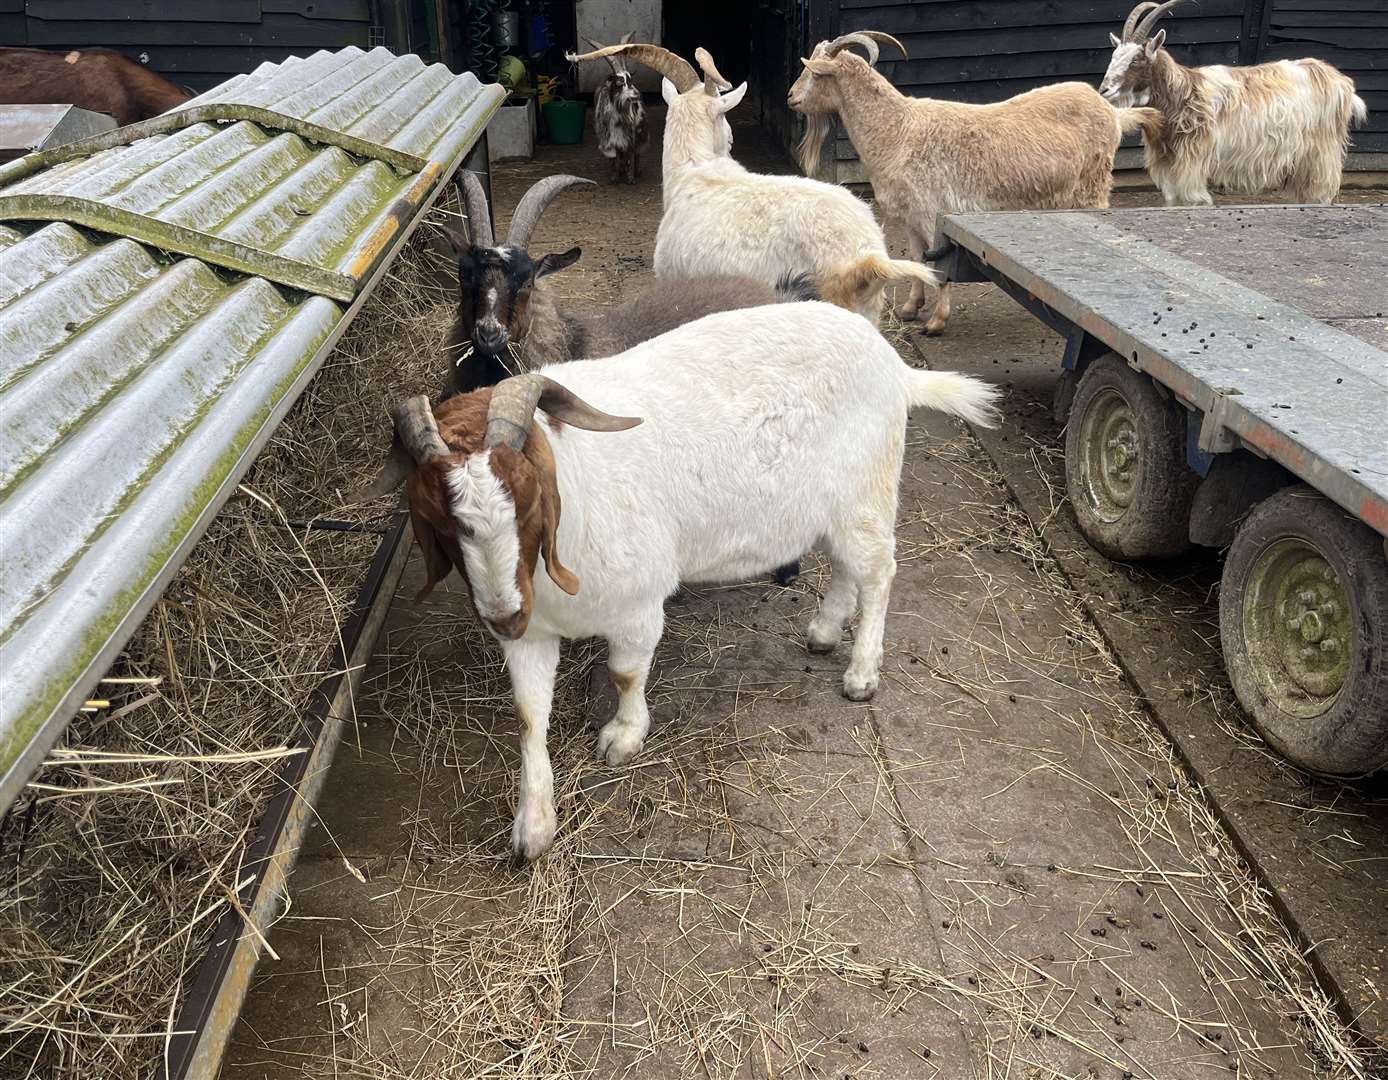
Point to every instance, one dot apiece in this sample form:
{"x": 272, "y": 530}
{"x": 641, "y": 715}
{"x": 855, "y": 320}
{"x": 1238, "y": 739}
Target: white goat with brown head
{"x": 1279, "y": 125}
{"x": 721, "y": 219}
{"x": 766, "y": 432}
{"x": 1048, "y": 149}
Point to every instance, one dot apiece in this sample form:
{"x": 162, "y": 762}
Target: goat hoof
{"x": 859, "y": 687}
{"x": 532, "y": 834}
{"x": 934, "y": 329}
{"x": 909, "y": 312}
{"x": 822, "y": 646}
{"x": 619, "y": 743}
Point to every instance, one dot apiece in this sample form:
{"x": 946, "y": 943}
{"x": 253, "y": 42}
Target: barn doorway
{"x": 758, "y": 47}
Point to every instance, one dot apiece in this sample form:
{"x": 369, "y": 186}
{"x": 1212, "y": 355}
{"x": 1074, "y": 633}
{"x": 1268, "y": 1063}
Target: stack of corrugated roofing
{"x": 166, "y": 291}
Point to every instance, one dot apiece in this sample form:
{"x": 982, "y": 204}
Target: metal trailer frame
{"x": 1274, "y": 389}
{"x": 996, "y": 247}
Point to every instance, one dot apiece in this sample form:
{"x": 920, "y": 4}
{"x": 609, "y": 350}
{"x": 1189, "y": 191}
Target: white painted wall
{"x": 606, "y": 21}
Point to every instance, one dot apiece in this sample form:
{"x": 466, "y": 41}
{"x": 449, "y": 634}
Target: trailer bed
{"x": 1271, "y": 321}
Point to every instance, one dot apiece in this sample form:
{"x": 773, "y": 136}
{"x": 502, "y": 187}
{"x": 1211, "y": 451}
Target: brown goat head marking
{"x": 530, "y": 481}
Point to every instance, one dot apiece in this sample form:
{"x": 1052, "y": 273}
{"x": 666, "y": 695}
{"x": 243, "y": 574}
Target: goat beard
{"x": 812, "y": 142}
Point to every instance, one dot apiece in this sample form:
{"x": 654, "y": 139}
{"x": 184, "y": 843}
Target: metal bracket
{"x": 1215, "y": 437}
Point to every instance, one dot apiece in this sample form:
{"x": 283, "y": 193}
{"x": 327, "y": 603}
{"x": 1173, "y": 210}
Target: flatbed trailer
{"x": 1225, "y": 383}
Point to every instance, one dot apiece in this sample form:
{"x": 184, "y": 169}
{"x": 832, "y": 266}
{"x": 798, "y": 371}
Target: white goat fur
{"x": 722, "y": 219}
{"x": 767, "y": 432}
{"x": 1239, "y": 129}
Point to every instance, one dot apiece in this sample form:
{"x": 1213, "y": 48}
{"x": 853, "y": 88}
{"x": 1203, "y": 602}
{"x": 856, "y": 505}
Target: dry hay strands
{"x": 131, "y": 839}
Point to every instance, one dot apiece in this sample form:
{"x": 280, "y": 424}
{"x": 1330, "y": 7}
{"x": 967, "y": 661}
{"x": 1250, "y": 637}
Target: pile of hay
{"x": 127, "y": 846}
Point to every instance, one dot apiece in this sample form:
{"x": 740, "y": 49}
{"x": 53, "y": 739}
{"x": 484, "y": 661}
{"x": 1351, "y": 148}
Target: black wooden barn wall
{"x": 987, "y": 50}
{"x": 197, "y": 43}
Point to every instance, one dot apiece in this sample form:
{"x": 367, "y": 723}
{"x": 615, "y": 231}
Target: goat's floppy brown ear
{"x": 552, "y": 264}
{"x": 394, "y": 472}
{"x": 542, "y": 460}
{"x": 437, "y": 561}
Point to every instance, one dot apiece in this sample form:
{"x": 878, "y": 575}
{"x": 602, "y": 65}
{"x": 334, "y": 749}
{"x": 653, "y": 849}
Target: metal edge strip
{"x": 213, "y": 112}
{"x": 203, "y": 1028}
{"x": 84, "y": 686}
{"x": 179, "y": 239}
{"x": 1352, "y": 495}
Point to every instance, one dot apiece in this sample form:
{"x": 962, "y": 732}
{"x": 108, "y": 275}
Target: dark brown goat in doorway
{"x": 95, "y": 79}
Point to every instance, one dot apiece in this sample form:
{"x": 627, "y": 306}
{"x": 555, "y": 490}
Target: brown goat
{"x": 95, "y": 79}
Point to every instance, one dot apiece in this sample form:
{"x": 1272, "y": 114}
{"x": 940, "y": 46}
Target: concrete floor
{"x": 996, "y": 868}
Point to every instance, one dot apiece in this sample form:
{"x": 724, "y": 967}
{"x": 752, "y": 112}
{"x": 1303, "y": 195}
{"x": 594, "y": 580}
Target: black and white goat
{"x": 619, "y": 118}
{"x": 509, "y": 322}
{"x": 766, "y": 432}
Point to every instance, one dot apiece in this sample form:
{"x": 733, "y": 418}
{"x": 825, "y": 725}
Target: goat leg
{"x": 532, "y": 663}
{"x": 629, "y": 663}
{"x": 940, "y": 316}
{"x": 916, "y": 246}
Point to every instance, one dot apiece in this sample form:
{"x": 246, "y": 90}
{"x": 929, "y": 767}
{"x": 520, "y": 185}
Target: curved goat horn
{"x": 849, "y": 40}
{"x": 713, "y": 78}
{"x": 1143, "y": 30}
{"x": 515, "y": 400}
{"x": 674, "y": 68}
{"x": 867, "y": 40}
{"x": 1130, "y": 24}
{"x": 599, "y": 46}
{"x": 417, "y": 430}
{"x": 479, "y": 218}
{"x": 533, "y": 204}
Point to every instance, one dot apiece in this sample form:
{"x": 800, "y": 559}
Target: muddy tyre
{"x": 1303, "y": 616}
{"x": 1125, "y": 464}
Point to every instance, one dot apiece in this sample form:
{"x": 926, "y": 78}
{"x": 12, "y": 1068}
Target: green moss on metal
{"x": 194, "y": 518}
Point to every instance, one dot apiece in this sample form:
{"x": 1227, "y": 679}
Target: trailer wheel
{"x": 1125, "y": 464}
{"x": 1303, "y": 614}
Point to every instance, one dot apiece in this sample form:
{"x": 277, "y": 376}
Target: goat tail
{"x": 856, "y": 284}
{"x": 970, "y": 399}
{"x": 1143, "y": 119}
{"x": 1358, "y": 111}
{"x": 796, "y": 288}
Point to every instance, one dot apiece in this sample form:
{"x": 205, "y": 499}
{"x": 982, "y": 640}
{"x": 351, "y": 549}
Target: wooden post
{"x": 1253, "y": 34}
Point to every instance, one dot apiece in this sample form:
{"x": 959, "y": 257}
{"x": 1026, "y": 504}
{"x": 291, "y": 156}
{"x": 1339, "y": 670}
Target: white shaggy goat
{"x": 762, "y": 433}
{"x": 1279, "y": 125}
{"x": 1048, "y": 149}
{"x": 722, "y": 219}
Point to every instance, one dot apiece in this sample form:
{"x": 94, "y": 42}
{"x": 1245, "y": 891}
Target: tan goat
{"x": 1244, "y": 129}
{"x": 1047, "y": 149}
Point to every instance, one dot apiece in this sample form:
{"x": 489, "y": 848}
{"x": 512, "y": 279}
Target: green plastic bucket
{"x": 564, "y": 121}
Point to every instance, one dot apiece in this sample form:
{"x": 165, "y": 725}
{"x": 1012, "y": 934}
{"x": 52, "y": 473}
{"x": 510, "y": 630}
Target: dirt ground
{"x": 997, "y": 868}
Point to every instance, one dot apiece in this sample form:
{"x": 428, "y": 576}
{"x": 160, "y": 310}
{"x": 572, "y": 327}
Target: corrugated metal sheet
{"x": 136, "y": 385}
{"x": 265, "y": 174}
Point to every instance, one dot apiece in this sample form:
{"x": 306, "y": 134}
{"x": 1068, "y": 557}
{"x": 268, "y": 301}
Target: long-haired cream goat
{"x": 721, "y": 219}
{"x": 1048, "y": 149}
{"x": 1244, "y": 129}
